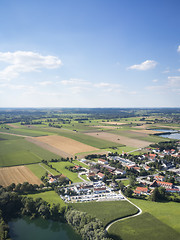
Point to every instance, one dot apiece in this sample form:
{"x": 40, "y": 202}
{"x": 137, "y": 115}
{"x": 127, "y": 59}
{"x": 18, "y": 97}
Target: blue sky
{"x": 98, "y": 53}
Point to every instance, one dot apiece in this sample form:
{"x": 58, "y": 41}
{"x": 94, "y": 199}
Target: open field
{"x": 143, "y": 227}
{"x": 106, "y": 211}
{"x": 40, "y": 169}
{"x": 120, "y": 139}
{"x": 167, "y": 212}
{"x": 26, "y": 132}
{"x": 60, "y": 166}
{"x": 114, "y": 123}
{"x": 49, "y": 196}
{"x": 16, "y": 175}
{"x": 65, "y": 144}
{"x": 83, "y": 138}
{"x": 17, "y": 151}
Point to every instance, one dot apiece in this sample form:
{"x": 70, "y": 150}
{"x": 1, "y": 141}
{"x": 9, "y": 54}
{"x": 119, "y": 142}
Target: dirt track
{"x": 120, "y": 139}
{"x": 16, "y": 175}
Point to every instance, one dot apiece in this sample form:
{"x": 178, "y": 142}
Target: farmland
{"x": 120, "y": 139}
{"x": 107, "y": 211}
{"x": 17, "y": 151}
{"x": 89, "y": 140}
{"x": 162, "y": 217}
{"x": 143, "y": 227}
{"x": 167, "y": 212}
{"x": 16, "y": 175}
{"x": 66, "y": 145}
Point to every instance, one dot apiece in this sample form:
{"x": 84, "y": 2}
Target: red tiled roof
{"x": 142, "y": 189}
{"x": 164, "y": 183}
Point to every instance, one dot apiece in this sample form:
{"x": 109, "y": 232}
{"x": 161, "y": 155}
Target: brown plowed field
{"x": 120, "y": 139}
{"x": 16, "y": 175}
{"x": 62, "y": 145}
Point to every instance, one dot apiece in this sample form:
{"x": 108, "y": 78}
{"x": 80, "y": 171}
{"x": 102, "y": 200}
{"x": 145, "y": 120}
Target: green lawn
{"x": 106, "y": 211}
{"x": 39, "y": 171}
{"x": 19, "y": 151}
{"x": 168, "y": 213}
{"x": 143, "y": 227}
{"x": 49, "y": 196}
{"x": 71, "y": 175}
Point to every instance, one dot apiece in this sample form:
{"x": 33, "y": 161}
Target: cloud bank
{"x": 146, "y": 65}
{"x": 26, "y": 61}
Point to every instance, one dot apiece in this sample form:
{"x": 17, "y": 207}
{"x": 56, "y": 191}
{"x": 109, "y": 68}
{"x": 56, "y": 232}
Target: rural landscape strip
{"x": 124, "y": 218}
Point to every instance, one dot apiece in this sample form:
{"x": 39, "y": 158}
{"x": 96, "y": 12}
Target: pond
{"x": 172, "y": 134}
{"x": 24, "y": 228}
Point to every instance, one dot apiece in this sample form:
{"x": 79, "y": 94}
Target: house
{"x": 102, "y": 161}
{"x": 137, "y": 169}
{"x": 91, "y": 174}
{"x": 159, "y": 178}
{"x": 147, "y": 168}
{"x": 94, "y": 170}
{"x": 101, "y": 176}
{"x": 119, "y": 171}
{"x": 109, "y": 168}
{"x": 100, "y": 189}
{"x": 161, "y": 184}
{"x": 173, "y": 190}
{"x": 141, "y": 190}
{"x": 152, "y": 156}
{"x": 77, "y": 167}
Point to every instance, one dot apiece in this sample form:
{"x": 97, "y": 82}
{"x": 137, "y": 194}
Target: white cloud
{"x": 148, "y": 64}
{"x": 155, "y": 80}
{"x": 178, "y": 49}
{"x": 26, "y": 61}
{"x": 45, "y": 83}
{"x": 102, "y": 84}
{"x": 75, "y": 81}
{"x": 174, "y": 81}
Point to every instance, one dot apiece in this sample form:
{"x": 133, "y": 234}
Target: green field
{"x": 17, "y": 151}
{"x": 168, "y": 212}
{"x": 89, "y": 140}
{"x": 39, "y": 171}
{"x": 61, "y": 167}
{"x": 106, "y": 211}
{"x": 49, "y": 196}
{"x": 143, "y": 227}
{"x": 26, "y": 132}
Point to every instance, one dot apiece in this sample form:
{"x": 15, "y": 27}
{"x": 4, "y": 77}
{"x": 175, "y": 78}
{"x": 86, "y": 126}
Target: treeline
{"x": 13, "y": 205}
{"x": 165, "y": 145}
{"x": 87, "y": 227}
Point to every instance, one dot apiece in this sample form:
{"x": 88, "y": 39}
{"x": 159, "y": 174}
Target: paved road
{"x": 121, "y": 219}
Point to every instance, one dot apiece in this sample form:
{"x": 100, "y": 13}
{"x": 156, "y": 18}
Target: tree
{"x": 128, "y": 192}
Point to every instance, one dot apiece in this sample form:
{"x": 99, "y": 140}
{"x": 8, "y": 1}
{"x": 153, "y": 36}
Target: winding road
{"x": 124, "y": 218}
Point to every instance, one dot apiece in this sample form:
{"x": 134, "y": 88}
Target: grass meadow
{"x": 48, "y": 196}
{"x": 40, "y": 169}
{"x": 143, "y": 227}
{"x": 17, "y": 151}
{"x": 106, "y": 211}
{"x": 71, "y": 175}
{"x": 166, "y": 212}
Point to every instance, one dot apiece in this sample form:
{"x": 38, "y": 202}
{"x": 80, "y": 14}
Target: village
{"x": 103, "y": 176}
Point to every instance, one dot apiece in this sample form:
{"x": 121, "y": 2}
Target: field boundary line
{"x": 124, "y": 218}
{"x": 46, "y": 169}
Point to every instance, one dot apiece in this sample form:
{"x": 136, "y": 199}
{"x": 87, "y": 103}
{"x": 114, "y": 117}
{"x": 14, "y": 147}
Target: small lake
{"x": 173, "y": 135}
{"x": 26, "y": 229}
